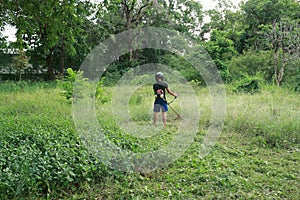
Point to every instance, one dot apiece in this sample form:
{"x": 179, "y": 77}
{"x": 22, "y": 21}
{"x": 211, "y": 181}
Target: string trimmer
{"x": 178, "y": 116}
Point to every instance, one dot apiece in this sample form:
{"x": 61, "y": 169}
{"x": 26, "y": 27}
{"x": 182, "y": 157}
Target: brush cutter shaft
{"x": 172, "y": 100}
{"x": 178, "y": 115}
{"x": 174, "y": 110}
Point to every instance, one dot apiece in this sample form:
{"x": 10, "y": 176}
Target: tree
{"x": 226, "y": 17}
{"x": 20, "y": 63}
{"x": 183, "y": 16}
{"x": 116, "y": 16}
{"x": 3, "y": 13}
{"x": 257, "y": 13}
{"x": 273, "y": 25}
{"x": 221, "y": 49}
{"x": 73, "y": 43}
{"x": 252, "y": 63}
{"x": 41, "y": 25}
{"x": 119, "y": 15}
{"x": 283, "y": 38}
{"x": 3, "y": 21}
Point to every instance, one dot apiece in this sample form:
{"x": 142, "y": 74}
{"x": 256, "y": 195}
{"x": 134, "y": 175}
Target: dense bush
{"x": 67, "y": 86}
{"x": 249, "y": 84}
{"x": 292, "y": 78}
{"x": 251, "y": 63}
{"x": 67, "y": 83}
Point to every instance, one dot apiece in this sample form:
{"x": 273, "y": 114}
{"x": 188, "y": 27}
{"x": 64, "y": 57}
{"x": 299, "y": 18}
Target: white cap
{"x": 159, "y": 75}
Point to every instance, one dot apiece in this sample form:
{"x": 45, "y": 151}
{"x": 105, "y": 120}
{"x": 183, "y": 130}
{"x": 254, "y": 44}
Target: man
{"x": 160, "y": 103}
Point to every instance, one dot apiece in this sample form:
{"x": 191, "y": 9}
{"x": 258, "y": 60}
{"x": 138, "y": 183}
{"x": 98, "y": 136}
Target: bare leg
{"x": 155, "y": 118}
{"x": 164, "y": 116}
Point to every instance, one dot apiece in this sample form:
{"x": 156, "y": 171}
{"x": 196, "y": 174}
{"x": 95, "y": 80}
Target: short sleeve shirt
{"x": 160, "y": 88}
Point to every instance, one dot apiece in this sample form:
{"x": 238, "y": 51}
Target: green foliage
{"x": 140, "y": 80}
{"x": 248, "y": 84}
{"x": 282, "y": 38}
{"x": 67, "y": 84}
{"x": 20, "y": 63}
{"x": 221, "y": 49}
{"x": 116, "y": 70}
{"x": 293, "y": 81}
{"x": 101, "y": 94}
{"x": 64, "y": 29}
{"x": 257, "y": 13}
{"x": 252, "y": 63}
{"x": 183, "y": 66}
{"x": 256, "y": 156}
{"x": 52, "y": 28}
{"x": 183, "y": 16}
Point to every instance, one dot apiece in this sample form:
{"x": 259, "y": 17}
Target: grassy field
{"x": 257, "y": 156}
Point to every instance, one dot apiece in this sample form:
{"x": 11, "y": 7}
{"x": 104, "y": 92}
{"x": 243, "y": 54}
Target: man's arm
{"x": 171, "y": 93}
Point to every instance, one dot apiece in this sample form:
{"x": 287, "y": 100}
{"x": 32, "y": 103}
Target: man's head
{"x": 159, "y": 76}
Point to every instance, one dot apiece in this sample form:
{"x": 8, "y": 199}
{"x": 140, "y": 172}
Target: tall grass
{"x": 269, "y": 118}
{"x": 272, "y": 117}
{"x": 25, "y": 86}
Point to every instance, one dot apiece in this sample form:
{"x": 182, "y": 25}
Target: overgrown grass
{"x": 41, "y": 156}
{"x": 272, "y": 117}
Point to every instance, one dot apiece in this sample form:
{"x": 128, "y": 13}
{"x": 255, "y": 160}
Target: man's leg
{"x": 155, "y": 118}
{"x": 164, "y": 113}
{"x": 164, "y": 116}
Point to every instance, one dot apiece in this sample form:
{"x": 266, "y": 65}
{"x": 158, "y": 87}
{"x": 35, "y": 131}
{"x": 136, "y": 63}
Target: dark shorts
{"x": 160, "y": 104}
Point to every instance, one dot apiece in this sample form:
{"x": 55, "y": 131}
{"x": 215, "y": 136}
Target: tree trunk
{"x": 20, "y": 75}
{"x": 280, "y": 74}
{"x": 275, "y": 44}
{"x": 281, "y": 71}
{"x": 275, "y": 54}
{"x": 281, "y": 41}
{"x": 49, "y": 66}
{"x": 62, "y": 58}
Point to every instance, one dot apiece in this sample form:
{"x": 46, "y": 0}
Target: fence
{"x": 34, "y": 72}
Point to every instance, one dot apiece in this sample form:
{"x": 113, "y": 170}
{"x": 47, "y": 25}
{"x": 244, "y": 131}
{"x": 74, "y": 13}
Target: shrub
{"x": 67, "y": 83}
{"x": 249, "y": 84}
{"x": 101, "y": 94}
{"x": 251, "y": 63}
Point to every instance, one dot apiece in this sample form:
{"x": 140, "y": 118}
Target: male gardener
{"x": 160, "y": 103}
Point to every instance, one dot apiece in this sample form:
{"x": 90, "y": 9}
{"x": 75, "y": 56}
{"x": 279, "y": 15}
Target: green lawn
{"x": 257, "y": 156}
